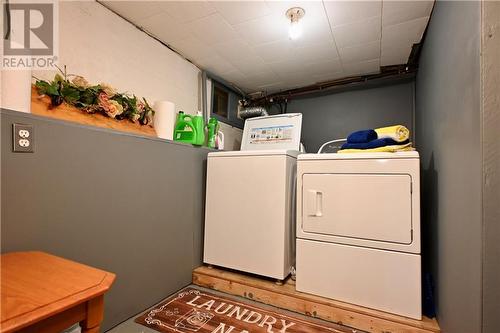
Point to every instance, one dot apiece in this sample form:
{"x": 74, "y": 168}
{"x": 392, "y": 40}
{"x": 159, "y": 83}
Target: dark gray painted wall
{"x": 127, "y": 204}
{"x": 491, "y": 164}
{"x": 448, "y": 139}
{"x": 336, "y": 115}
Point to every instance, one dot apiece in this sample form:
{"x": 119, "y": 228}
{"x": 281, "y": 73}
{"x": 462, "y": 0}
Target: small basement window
{"x": 223, "y": 103}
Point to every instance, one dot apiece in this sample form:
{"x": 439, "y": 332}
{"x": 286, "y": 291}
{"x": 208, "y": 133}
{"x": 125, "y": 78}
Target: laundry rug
{"x": 193, "y": 310}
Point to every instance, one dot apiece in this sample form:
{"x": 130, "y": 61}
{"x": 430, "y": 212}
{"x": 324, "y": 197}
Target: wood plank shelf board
{"x": 286, "y": 297}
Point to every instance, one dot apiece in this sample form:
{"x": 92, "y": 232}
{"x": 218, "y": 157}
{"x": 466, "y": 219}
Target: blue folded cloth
{"x": 362, "y": 136}
{"x": 373, "y": 144}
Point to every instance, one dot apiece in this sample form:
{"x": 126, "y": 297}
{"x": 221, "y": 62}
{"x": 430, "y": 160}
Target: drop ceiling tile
{"x": 277, "y": 51}
{"x": 394, "y": 12}
{"x": 331, "y": 66}
{"x": 406, "y": 33}
{"x": 299, "y": 75}
{"x": 216, "y": 64}
{"x": 317, "y": 52}
{"x": 288, "y": 67}
{"x": 264, "y": 29}
{"x": 233, "y": 49}
{"x": 134, "y": 10}
{"x": 297, "y": 58}
{"x": 328, "y": 77}
{"x": 347, "y": 12}
{"x": 398, "y": 39}
{"x": 234, "y": 76}
{"x": 236, "y": 12}
{"x": 261, "y": 79}
{"x": 361, "y": 52}
{"x": 250, "y": 65}
{"x": 193, "y": 48}
{"x": 164, "y": 27}
{"x": 212, "y": 29}
{"x": 260, "y": 76}
{"x": 299, "y": 82}
{"x": 361, "y": 32}
{"x": 187, "y": 11}
{"x": 361, "y": 68}
{"x": 314, "y": 31}
{"x": 395, "y": 55}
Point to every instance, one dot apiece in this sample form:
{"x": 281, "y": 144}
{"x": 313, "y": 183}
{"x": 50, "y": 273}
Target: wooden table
{"x": 44, "y": 293}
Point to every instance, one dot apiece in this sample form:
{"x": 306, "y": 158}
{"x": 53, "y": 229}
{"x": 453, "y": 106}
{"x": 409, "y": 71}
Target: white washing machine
{"x": 250, "y": 199}
{"x": 358, "y": 229}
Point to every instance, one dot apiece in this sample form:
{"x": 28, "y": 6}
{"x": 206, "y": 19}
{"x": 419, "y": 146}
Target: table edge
{"x": 19, "y": 322}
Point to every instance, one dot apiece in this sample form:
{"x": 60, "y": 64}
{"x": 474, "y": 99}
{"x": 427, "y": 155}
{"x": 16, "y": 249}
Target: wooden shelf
{"x": 286, "y": 297}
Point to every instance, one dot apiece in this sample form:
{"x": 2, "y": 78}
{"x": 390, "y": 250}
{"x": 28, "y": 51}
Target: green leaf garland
{"x": 95, "y": 98}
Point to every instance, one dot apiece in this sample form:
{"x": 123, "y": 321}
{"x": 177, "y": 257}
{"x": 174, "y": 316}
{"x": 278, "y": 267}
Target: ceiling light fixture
{"x": 294, "y": 14}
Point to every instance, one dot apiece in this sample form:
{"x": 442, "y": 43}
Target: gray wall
{"x": 336, "y": 115}
{"x": 127, "y": 204}
{"x": 491, "y": 165}
{"x": 448, "y": 138}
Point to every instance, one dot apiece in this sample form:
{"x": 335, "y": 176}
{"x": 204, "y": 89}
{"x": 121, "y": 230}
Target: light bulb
{"x": 295, "y": 29}
{"x": 294, "y": 14}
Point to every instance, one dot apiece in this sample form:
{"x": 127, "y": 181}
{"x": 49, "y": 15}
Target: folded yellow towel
{"x": 398, "y": 133}
{"x": 387, "y": 149}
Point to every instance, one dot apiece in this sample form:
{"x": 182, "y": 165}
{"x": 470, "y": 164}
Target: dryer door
{"x": 358, "y": 206}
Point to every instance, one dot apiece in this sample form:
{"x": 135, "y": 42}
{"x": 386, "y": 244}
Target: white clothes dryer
{"x": 358, "y": 229}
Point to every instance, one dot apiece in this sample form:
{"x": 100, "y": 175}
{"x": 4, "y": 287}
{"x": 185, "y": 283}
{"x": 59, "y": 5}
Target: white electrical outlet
{"x": 24, "y": 143}
{"x": 23, "y": 138}
{"x": 24, "y": 134}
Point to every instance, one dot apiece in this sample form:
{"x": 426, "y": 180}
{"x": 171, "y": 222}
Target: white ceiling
{"x": 247, "y": 44}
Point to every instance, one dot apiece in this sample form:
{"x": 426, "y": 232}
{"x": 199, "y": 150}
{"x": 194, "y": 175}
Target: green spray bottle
{"x": 212, "y": 129}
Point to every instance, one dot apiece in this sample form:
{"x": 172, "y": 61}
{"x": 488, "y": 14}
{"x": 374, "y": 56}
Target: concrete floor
{"x": 129, "y": 326}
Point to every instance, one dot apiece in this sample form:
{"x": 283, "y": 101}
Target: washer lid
{"x": 291, "y": 153}
{"x": 272, "y": 132}
{"x": 358, "y": 156}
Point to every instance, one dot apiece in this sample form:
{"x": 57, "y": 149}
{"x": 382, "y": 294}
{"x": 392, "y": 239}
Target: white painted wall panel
{"x": 102, "y": 47}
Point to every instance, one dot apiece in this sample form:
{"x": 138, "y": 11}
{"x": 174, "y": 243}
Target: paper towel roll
{"x": 16, "y": 90}
{"x": 164, "y": 120}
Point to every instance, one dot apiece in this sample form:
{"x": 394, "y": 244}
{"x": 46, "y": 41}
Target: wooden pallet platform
{"x": 286, "y": 297}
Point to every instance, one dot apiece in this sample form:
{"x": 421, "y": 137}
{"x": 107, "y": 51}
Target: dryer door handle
{"x": 314, "y": 203}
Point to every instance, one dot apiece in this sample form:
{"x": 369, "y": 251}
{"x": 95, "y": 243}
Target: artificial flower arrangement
{"x": 100, "y": 98}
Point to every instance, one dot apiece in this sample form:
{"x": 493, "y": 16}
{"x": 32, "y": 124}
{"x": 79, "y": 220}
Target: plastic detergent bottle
{"x": 212, "y": 128}
{"x": 184, "y": 130}
{"x": 199, "y": 129}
